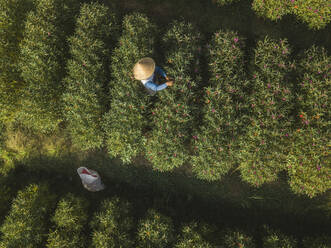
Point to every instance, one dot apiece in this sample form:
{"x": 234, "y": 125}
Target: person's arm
{"x": 155, "y": 87}
{"x": 160, "y": 71}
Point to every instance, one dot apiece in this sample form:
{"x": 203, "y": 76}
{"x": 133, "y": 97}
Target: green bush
{"x": 308, "y": 163}
{"x": 191, "y": 237}
{"x": 25, "y": 225}
{"x": 264, "y": 148}
{"x": 172, "y": 116}
{"x": 237, "y": 239}
{"x": 317, "y": 242}
{"x": 70, "y": 219}
{"x": 215, "y": 143}
{"x": 124, "y": 123}
{"x": 43, "y": 52}
{"x": 12, "y": 16}
{"x": 85, "y": 96}
{"x": 276, "y": 239}
{"x": 155, "y": 230}
{"x": 112, "y": 225}
{"x": 316, "y": 13}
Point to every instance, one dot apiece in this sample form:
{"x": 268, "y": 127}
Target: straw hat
{"x": 144, "y": 68}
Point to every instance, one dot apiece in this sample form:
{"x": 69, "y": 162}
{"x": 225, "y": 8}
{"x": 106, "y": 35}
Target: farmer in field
{"x": 150, "y": 75}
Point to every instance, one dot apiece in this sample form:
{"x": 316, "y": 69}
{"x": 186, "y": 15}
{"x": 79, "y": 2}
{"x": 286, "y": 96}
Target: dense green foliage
{"x": 172, "y": 116}
{"x": 12, "y": 17}
{"x": 237, "y": 238}
{"x": 215, "y": 143}
{"x": 26, "y": 223}
{"x": 125, "y": 122}
{"x": 155, "y": 230}
{"x": 70, "y": 218}
{"x": 315, "y": 13}
{"x": 261, "y": 118}
{"x": 85, "y": 95}
{"x": 43, "y": 52}
{"x": 264, "y": 148}
{"x": 309, "y": 164}
{"x": 276, "y": 239}
{"x": 191, "y": 237}
{"x": 112, "y": 225}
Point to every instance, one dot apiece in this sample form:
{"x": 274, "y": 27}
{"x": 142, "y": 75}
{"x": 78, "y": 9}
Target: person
{"x": 149, "y": 74}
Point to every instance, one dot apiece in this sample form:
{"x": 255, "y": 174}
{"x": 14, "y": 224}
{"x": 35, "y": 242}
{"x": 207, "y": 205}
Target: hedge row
{"x": 315, "y": 13}
{"x": 43, "y": 51}
{"x": 114, "y": 225}
{"x": 215, "y": 142}
{"x": 70, "y": 219}
{"x": 85, "y": 95}
{"x": 264, "y": 147}
{"x": 26, "y": 223}
{"x": 172, "y": 116}
{"x": 124, "y": 125}
{"x": 261, "y": 122}
{"x": 309, "y": 160}
{"x": 12, "y": 16}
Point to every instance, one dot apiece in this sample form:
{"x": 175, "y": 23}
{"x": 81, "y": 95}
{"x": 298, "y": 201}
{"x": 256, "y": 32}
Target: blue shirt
{"x": 149, "y": 82}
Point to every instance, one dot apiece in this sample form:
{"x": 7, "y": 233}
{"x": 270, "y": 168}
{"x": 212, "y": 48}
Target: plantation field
{"x": 234, "y": 154}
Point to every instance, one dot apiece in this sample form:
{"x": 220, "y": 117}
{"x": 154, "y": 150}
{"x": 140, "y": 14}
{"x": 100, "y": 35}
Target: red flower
{"x": 301, "y": 116}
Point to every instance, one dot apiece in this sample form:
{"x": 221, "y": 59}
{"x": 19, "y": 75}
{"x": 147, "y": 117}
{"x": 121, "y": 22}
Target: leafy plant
{"x": 264, "y": 147}
{"x": 316, "y": 13}
{"x": 276, "y": 239}
{"x": 191, "y": 237}
{"x": 12, "y": 17}
{"x": 112, "y": 225}
{"x": 155, "y": 230}
{"x": 125, "y": 122}
{"x": 85, "y": 97}
{"x": 25, "y": 225}
{"x": 70, "y": 219}
{"x": 308, "y": 163}
{"x": 172, "y": 116}
{"x": 215, "y": 142}
{"x": 237, "y": 239}
{"x": 43, "y": 53}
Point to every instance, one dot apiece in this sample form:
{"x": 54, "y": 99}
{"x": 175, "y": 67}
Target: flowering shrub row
{"x": 43, "y": 53}
{"x": 274, "y": 239}
{"x": 124, "y": 123}
{"x": 237, "y": 238}
{"x": 316, "y": 13}
{"x": 172, "y": 116}
{"x": 191, "y": 237}
{"x": 85, "y": 97}
{"x": 25, "y": 225}
{"x": 215, "y": 142}
{"x": 70, "y": 219}
{"x": 115, "y": 225}
{"x": 12, "y": 17}
{"x": 309, "y": 160}
{"x": 264, "y": 147}
{"x": 112, "y": 225}
{"x": 155, "y": 230}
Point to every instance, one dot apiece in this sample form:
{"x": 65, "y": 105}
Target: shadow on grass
{"x": 229, "y": 203}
